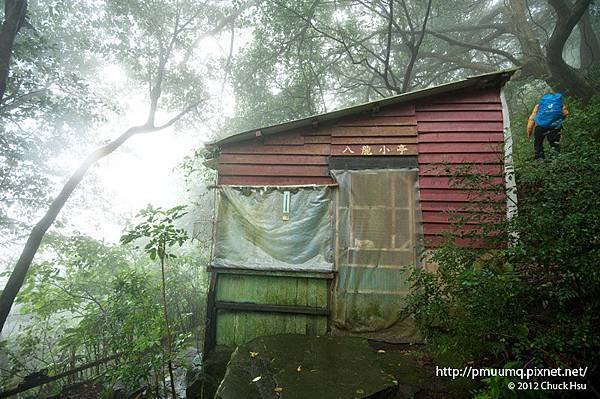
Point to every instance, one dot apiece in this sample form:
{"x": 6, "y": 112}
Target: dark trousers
{"x": 553, "y": 136}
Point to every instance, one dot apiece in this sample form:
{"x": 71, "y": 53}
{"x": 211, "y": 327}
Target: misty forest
{"x": 145, "y": 154}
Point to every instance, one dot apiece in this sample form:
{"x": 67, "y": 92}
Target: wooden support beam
{"x": 210, "y": 331}
{"x": 256, "y": 307}
{"x": 273, "y": 273}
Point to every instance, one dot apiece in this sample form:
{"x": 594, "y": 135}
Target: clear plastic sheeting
{"x": 377, "y": 242}
{"x": 274, "y": 228}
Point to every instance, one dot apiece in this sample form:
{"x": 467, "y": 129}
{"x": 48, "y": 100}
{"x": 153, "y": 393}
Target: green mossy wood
{"x": 238, "y": 327}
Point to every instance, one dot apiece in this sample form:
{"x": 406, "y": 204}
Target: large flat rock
{"x": 303, "y": 367}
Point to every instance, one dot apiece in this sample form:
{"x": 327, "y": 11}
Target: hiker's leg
{"x": 538, "y": 142}
{"x": 554, "y": 139}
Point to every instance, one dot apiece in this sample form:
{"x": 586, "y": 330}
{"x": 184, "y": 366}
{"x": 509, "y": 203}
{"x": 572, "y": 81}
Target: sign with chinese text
{"x": 374, "y": 149}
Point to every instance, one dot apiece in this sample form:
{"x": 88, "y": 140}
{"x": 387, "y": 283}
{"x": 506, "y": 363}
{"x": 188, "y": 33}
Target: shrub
{"x": 536, "y": 301}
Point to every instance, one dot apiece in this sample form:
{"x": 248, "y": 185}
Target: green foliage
{"x": 473, "y": 305}
{"x": 86, "y": 300}
{"x": 160, "y": 231}
{"x": 538, "y": 300}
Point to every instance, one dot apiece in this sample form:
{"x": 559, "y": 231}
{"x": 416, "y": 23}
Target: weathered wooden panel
{"x": 459, "y": 137}
{"x": 236, "y": 327}
{"x": 379, "y": 149}
{"x": 284, "y": 139}
{"x": 373, "y": 131}
{"x": 261, "y": 159}
{"x": 463, "y": 217}
{"x": 457, "y": 195}
{"x": 321, "y": 139}
{"x": 465, "y": 106}
{"x": 440, "y": 228}
{"x": 307, "y": 149}
{"x": 447, "y": 206}
{"x": 374, "y": 140}
{"x": 427, "y": 148}
{"x": 460, "y": 169}
{"x": 476, "y": 158}
{"x": 272, "y": 180}
{"x": 452, "y": 182}
{"x": 491, "y": 95}
{"x": 273, "y": 290}
{"x": 459, "y": 134}
{"x": 379, "y": 121}
{"x": 272, "y": 170}
{"x": 434, "y": 240}
{"x": 444, "y": 116}
{"x": 460, "y": 126}
{"x": 398, "y": 110}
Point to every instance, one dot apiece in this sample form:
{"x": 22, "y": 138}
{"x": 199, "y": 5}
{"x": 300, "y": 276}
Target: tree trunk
{"x": 533, "y": 61}
{"x": 39, "y": 230}
{"x": 167, "y": 327}
{"x": 589, "y": 46}
{"x": 14, "y": 15}
{"x": 563, "y": 76}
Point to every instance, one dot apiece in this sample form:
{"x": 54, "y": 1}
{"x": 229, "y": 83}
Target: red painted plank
{"x": 453, "y": 182}
{"x": 374, "y": 140}
{"x": 396, "y": 110}
{"x": 454, "y": 195}
{"x": 378, "y": 149}
{"x": 460, "y": 217}
{"x": 444, "y": 116}
{"x": 433, "y": 241}
{"x": 461, "y": 158}
{"x": 317, "y": 139}
{"x": 284, "y": 139}
{"x": 476, "y": 96}
{"x": 272, "y": 170}
{"x": 440, "y": 228}
{"x": 460, "y": 169}
{"x": 445, "y": 137}
{"x": 465, "y": 106}
{"x": 314, "y": 131}
{"x": 499, "y": 207}
{"x": 307, "y": 149}
{"x": 373, "y": 131}
{"x": 425, "y": 148}
{"x": 379, "y": 121}
{"x": 460, "y": 126}
{"x": 272, "y": 180}
{"x": 273, "y": 159}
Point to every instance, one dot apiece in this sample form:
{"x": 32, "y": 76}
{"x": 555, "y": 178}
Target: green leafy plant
{"x": 159, "y": 229}
{"x": 537, "y": 300}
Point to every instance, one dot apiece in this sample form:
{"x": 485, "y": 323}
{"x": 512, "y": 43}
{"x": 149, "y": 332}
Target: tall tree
{"x": 14, "y": 16}
{"x": 153, "y": 45}
{"x": 371, "y": 49}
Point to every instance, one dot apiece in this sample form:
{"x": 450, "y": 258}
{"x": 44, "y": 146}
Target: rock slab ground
{"x": 300, "y": 367}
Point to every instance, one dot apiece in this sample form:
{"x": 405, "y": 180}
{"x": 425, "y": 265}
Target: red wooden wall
{"x": 444, "y": 132}
{"x": 457, "y": 132}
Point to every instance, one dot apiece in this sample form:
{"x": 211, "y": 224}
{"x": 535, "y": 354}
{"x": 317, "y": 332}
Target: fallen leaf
{"x": 255, "y": 379}
{"x": 380, "y": 351}
{"x": 253, "y": 354}
{"x": 299, "y": 369}
{"x": 278, "y": 389}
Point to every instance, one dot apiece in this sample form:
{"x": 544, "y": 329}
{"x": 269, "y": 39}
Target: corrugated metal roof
{"x": 486, "y": 80}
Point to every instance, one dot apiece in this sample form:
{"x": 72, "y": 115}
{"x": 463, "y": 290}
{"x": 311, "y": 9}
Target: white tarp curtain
{"x": 251, "y": 232}
{"x": 378, "y": 237}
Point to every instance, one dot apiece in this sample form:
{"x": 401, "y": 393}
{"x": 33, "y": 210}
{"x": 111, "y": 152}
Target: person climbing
{"x": 546, "y": 121}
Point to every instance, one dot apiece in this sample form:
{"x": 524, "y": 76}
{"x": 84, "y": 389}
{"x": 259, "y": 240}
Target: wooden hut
{"x": 317, "y": 219}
